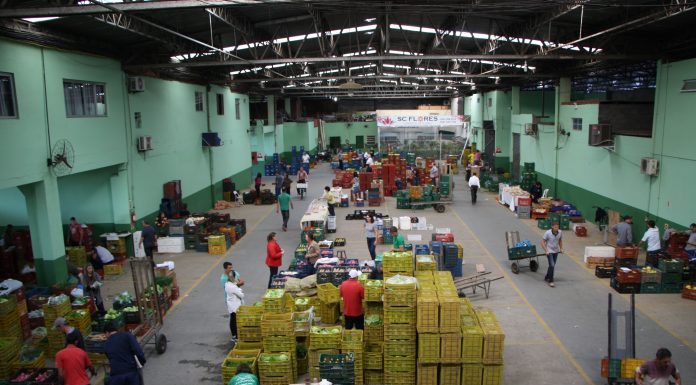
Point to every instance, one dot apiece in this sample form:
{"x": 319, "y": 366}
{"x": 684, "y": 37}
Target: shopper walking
{"x": 355, "y": 190}
{"x": 658, "y": 371}
{"x": 370, "y": 228}
{"x": 148, "y": 239}
{"x": 274, "y": 256}
{"x": 302, "y": 177}
{"x": 330, "y": 200}
{"x": 235, "y": 298}
{"x": 353, "y": 294}
{"x": 278, "y": 183}
{"x": 257, "y": 187}
{"x": 92, "y": 283}
{"x": 287, "y": 183}
{"x": 125, "y": 356}
{"x": 313, "y": 250}
{"x": 72, "y": 363}
{"x": 474, "y": 186}
{"x": 284, "y": 204}
{"x": 398, "y": 243}
{"x": 305, "y": 161}
{"x": 624, "y": 232}
{"x": 434, "y": 175}
{"x": 652, "y": 238}
{"x": 244, "y": 376}
{"x": 552, "y": 242}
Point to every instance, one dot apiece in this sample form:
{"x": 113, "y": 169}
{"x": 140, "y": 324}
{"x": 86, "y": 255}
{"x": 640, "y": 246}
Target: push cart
{"x": 517, "y": 254}
{"x": 439, "y": 206}
{"x": 150, "y": 306}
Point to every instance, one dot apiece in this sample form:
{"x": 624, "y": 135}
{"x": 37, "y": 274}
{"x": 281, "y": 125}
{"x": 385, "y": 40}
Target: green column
{"x": 47, "y": 239}
{"x": 120, "y": 200}
{"x": 515, "y": 100}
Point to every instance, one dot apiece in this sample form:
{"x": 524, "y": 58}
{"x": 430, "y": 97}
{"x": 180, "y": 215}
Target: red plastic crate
{"x": 626, "y": 252}
{"x": 444, "y": 237}
{"x": 524, "y": 201}
{"x": 581, "y": 231}
{"x": 632, "y": 276}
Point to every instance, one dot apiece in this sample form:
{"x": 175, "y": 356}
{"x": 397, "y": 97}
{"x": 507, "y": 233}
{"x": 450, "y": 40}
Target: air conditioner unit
{"x": 531, "y": 129}
{"x": 144, "y": 143}
{"x": 136, "y": 84}
{"x": 600, "y": 135}
{"x": 210, "y": 139}
{"x": 649, "y": 166}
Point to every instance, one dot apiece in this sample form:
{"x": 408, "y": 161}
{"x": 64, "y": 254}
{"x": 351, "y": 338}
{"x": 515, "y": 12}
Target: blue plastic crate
{"x": 436, "y": 247}
{"x": 422, "y": 249}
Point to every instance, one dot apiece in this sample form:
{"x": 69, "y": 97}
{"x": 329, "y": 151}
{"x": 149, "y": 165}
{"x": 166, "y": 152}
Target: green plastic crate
{"x": 650, "y": 288}
{"x": 670, "y": 265}
{"x": 544, "y": 224}
{"x": 671, "y": 288}
{"x": 671, "y": 278}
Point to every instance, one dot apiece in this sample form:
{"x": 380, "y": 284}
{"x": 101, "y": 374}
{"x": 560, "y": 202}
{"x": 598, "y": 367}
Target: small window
{"x": 577, "y": 124}
{"x": 490, "y": 102}
{"x": 370, "y": 140}
{"x": 237, "y": 110}
{"x": 8, "y": 101}
{"x": 220, "y": 104}
{"x": 84, "y": 99}
{"x": 199, "y": 100}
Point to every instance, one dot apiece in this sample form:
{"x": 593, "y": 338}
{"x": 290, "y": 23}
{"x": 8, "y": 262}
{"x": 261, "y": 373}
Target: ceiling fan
{"x": 62, "y": 158}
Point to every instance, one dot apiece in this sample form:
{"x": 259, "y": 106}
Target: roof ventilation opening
{"x": 689, "y": 86}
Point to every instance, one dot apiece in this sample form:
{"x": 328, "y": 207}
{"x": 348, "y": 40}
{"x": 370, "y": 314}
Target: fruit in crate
{"x": 302, "y": 301}
{"x": 373, "y": 319}
{"x": 112, "y": 314}
{"x": 130, "y": 309}
{"x": 274, "y": 293}
{"x": 322, "y": 330}
{"x": 648, "y": 269}
{"x": 374, "y": 283}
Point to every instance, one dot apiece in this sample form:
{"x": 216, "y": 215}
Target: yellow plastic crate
{"x": 400, "y": 315}
{"x": 450, "y": 374}
{"x": 319, "y": 340}
{"x": 216, "y": 240}
{"x": 249, "y": 334}
{"x": 399, "y": 332}
{"x": 399, "y": 348}
{"x": 427, "y": 374}
{"x": 629, "y": 365}
{"x": 399, "y": 364}
{"x": 373, "y": 377}
{"x": 328, "y": 293}
{"x": 451, "y": 348}
{"x": 493, "y": 346}
{"x": 397, "y": 261}
{"x": 486, "y": 317}
{"x": 217, "y": 249}
{"x": 424, "y": 276}
{"x": 465, "y": 307}
{"x": 113, "y": 269}
{"x": 372, "y": 308}
{"x": 274, "y": 301}
{"x": 229, "y": 366}
{"x": 472, "y": 374}
{"x": 492, "y": 375}
{"x": 428, "y": 348}
{"x": 469, "y": 320}
{"x": 249, "y": 315}
{"x": 328, "y": 312}
{"x": 352, "y": 340}
{"x": 242, "y": 345}
{"x": 277, "y": 324}
{"x": 374, "y": 353}
{"x": 304, "y": 303}
{"x": 399, "y": 296}
{"x": 374, "y": 333}
{"x": 425, "y": 263}
{"x": 450, "y": 317}
{"x": 472, "y": 344}
{"x": 373, "y": 290}
{"x": 279, "y": 343}
{"x": 275, "y": 368}
{"x": 427, "y": 319}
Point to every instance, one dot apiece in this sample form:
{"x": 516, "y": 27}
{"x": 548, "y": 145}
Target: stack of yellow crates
{"x": 425, "y": 263}
{"x": 400, "y": 331}
{"x": 397, "y": 262}
{"x": 493, "y": 347}
{"x": 276, "y": 368}
{"x": 278, "y": 331}
{"x": 217, "y": 244}
{"x": 80, "y": 319}
{"x": 323, "y": 340}
{"x": 472, "y": 345}
{"x": 249, "y": 323}
{"x": 427, "y": 323}
{"x": 56, "y": 307}
{"x": 352, "y": 342}
{"x": 274, "y": 301}
{"x": 76, "y": 255}
{"x": 237, "y": 357}
{"x": 373, "y": 333}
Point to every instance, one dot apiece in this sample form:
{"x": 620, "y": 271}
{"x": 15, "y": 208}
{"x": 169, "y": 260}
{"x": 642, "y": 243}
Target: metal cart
{"x": 149, "y": 305}
{"x": 518, "y": 254}
{"x": 439, "y": 205}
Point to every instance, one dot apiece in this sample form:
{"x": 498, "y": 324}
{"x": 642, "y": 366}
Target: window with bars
{"x": 371, "y": 140}
{"x": 577, "y": 124}
{"x": 198, "y": 97}
{"x": 84, "y": 99}
{"x": 8, "y": 100}
{"x": 237, "y": 109}
{"x": 220, "y": 104}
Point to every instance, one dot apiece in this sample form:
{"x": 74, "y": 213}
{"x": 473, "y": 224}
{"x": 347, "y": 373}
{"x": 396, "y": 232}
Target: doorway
{"x": 335, "y": 142}
{"x": 360, "y": 142}
{"x": 489, "y": 143}
{"x": 516, "y": 156}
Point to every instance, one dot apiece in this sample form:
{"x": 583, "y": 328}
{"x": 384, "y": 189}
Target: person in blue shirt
{"x": 227, "y": 267}
{"x": 244, "y": 376}
{"x": 122, "y": 349}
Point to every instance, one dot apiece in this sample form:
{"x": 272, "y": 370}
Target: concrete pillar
{"x": 288, "y": 106}
{"x": 515, "y": 100}
{"x": 564, "y": 91}
{"x": 271, "y": 108}
{"x": 47, "y": 238}
{"x": 120, "y": 200}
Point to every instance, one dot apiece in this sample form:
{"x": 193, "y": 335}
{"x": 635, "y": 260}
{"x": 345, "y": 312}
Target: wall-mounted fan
{"x": 62, "y": 158}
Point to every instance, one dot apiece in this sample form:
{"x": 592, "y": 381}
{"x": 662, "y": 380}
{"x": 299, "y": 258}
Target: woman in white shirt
{"x": 235, "y": 299}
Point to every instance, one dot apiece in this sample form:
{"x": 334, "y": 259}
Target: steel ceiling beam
{"x": 228, "y": 17}
{"x": 392, "y": 77}
{"x": 136, "y": 26}
{"x": 135, "y": 6}
{"x": 377, "y": 58}
{"x": 283, "y": 20}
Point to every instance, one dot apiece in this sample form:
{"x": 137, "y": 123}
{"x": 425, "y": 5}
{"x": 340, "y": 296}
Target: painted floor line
{"x": 625, "y": 297}
{"x": 542, "y": 322}
{"x": 218, "y": 261}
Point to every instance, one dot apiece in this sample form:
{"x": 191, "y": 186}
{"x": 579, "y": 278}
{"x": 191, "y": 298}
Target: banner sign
{"x": 419, "y": 120}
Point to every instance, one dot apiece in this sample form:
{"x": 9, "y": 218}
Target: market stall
{"x": 509, "y": 195}
{"x": 316, "y": 215}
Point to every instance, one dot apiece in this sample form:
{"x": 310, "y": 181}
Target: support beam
{"x": 392, "y": 77}
{"x": 283, "y": 20}
{"x": 228, "y": 17}
{"x": 134, "y": 25}
{"x": 377, "y": 58}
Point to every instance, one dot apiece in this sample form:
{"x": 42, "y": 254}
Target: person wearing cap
{"x": 122, "y": 350}
{"x": 398, "y": 243}
{"x": 624, "y": 232}
{"x": 73, "y": 362}
{"x": 61, "y": 324}
{"x": 353, "y": 293}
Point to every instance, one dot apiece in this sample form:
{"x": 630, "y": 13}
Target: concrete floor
{"x": 552, "y": 333}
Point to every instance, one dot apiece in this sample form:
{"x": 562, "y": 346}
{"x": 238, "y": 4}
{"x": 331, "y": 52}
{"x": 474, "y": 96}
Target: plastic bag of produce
{"x": 308, "y": 282}
{"x": 292, "y": 284}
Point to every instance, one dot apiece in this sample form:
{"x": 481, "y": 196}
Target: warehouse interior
{"x": 104, "y": 102}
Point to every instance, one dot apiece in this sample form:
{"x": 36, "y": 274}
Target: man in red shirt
{"x": 353, "y": 293}
{"x": 72, "y": 363}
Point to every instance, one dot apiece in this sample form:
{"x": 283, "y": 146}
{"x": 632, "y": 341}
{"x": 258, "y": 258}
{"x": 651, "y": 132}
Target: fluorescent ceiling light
{"x": 40, "y": 19}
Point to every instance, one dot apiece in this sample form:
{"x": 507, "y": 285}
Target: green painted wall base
{"x": 502, "y": 162}
{"x": 50, "y": 272}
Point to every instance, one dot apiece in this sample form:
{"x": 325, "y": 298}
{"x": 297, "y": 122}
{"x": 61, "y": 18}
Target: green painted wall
{"x": 13, "y": 207}
{"x": 87, "y": 196}
{"x": 349, "y": 130}
{"x": 538, "y": 103}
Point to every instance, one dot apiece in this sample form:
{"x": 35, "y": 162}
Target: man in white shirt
{"x": 652, "y": 238}
{"x": 305, "y": 162}
{"x": 434, "y": 174}
{"x": 366, "y": 155}
{"x": 369, "y": 161}
{"x": 474, "y": 185}
{"x": 101, "y": 256}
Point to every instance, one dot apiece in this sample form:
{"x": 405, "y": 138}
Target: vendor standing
{"x": 330, "y": 200}
{"x": 313, "y": 250}
{"x": 624, "y": 232}
{"x": 353, "y": 293}
{"x": 652, "y": 238}
{"x": 398, "y": 243}
{"x": 434, "y": 174}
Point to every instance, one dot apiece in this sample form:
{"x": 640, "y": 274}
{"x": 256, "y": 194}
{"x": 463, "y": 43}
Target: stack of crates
{"x": 452, "y": 256}
{"x": 236, "y": 357}
{"x": 57, "y": 307}
{"x": 524, "y": 207}
{"x": 274, "y": 301}
{"x": 671, "y": 275}
{"x": 650, "y": 280}
{"x": 397, "y": 262}
{"x": 493, "y": 347}
{"x": 425, "y": 263}
{"x": 373, "y": 360}
{"x": 9, "y": 350}
{"x": 449, "y": 328}
{"x": 278, "y": 332}
{"x": 529, "y": 177}
{"x": 353, "y": 343}
{"x": 373, "y": 337}
{"x": 273, "y": 371}
{"x": 445, "y": 184}
{"x": 321, "y": 342}
{"x": 427, "y": 324}
{"x": 76, "y": 255}
{"x": 400, "y": 332}
{"x": 80, "y": 319}
{"x": 249, "y": 319}
{"x": 217, "y": 244}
